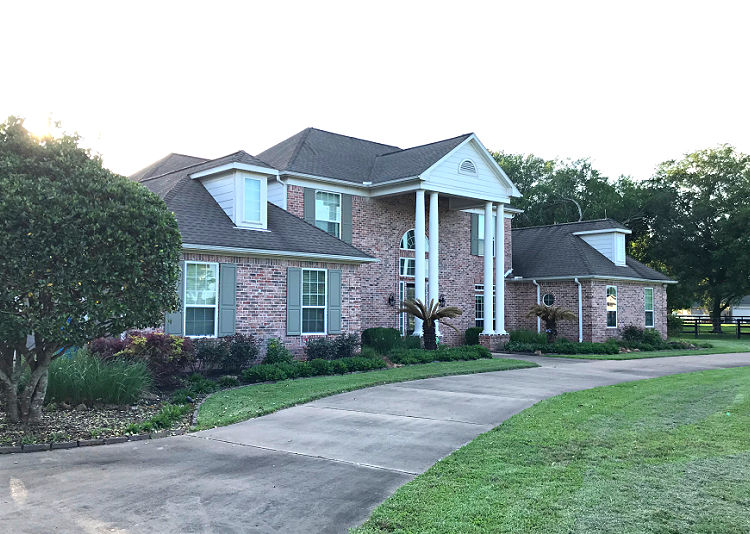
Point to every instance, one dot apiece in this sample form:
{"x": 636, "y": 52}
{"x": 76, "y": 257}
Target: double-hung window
{"x": 611, "y": 306}
{"x": 328, "y": 212}
{"x": 648, "y": 306}
{"x": 406, "y": 267}
{"x": 201, "y": 298}
{"x": 251, "y": 193}
{"x": 313, "y": 301}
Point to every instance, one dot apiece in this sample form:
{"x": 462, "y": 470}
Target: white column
{"x": 500, "y": 270}
{"x": 419, "y": 253}
{"x": 433, "y": 258}
{"x": 488, "y": 304}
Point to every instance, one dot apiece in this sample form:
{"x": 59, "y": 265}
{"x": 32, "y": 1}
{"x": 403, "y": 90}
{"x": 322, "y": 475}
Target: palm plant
{"x": 551, "y": 315}
{"x": 429, "y": 314}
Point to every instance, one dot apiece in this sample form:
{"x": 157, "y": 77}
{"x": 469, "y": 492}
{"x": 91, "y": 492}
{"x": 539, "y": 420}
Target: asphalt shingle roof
{"x": 332, "y": 155}
{"x": 554, "y": 251}
{"x": 170, "y": 163}
{"x": 201, "y": 220}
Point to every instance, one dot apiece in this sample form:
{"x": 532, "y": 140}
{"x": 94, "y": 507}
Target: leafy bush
{"x": 106, "y": 347}
{"x": 84, "y": 378}
{"x": 165, "y": 356}
{"x": 409, "y": 342}
{"x": 528, "y": 336}
{"x": 243, "y": 351}
{"x": 564, "y": 346}
{"x": 383, "y": 340}
{"x": 343, "y": 346}
{"x": 633, "y": 337}
{"x": 316, "y": 367}
{"x": 210, "y": 353}
{"x": 225, "y": 382}
{"x": 674, "y": 325}
{"x": 276, "y": 352}
{"x": 414, "y": 356}
{"x": 471, "y": 337}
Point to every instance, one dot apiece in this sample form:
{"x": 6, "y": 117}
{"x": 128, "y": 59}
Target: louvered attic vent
{"x": 467, "y": 167}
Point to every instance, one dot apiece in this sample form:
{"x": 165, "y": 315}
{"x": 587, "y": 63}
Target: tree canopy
{"x": 86, "y": 253}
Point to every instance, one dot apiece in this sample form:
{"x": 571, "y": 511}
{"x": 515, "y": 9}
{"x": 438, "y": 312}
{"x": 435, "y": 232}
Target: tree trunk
{"x": 551, "y": 327}
{"x": 428, "y": 334}
{"x": 716, "y": 317}
{"x": 10, "y": 393}
{"x": 26, "y": 406}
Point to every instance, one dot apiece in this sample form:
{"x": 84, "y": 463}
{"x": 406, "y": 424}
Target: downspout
{"x": 580, "y": 311}
{"x": 538, "y": 298}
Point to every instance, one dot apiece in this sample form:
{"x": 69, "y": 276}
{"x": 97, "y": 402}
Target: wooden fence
{"x": 692, "y": 324}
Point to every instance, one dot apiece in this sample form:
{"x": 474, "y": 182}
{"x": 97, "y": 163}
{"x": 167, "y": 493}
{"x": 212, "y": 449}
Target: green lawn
{"x": 720, "y": 345}
{"x": 239, "y": 404}
{"x": 666, "y": 455}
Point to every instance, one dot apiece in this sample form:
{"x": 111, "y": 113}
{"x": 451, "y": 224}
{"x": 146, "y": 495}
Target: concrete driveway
{"x": 319, "y": 467}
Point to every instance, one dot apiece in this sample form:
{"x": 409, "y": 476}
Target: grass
{"x": 664, "y": 455}
{"x": 720, "y": 345}
{"x": 232, "y": 406}
{"x": 83, "y": 378}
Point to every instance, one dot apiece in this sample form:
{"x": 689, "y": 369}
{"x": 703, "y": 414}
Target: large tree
{"x": 85, "y": 253}
{"x": 699, "y": 221}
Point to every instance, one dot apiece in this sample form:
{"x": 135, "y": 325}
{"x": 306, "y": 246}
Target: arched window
{"x": 467, "y": 167}
{"x": 407, "y": 241}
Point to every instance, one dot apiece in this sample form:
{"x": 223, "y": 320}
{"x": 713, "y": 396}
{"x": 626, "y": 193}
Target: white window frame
{"x": 241, "y": 218}
{"x": 607, "y": 310}
{"x": 403, "y": 267}
{"x": 302, "y": 304}
{"x": 185, "y": 305}
{"x": 404, "y": 238}
{"x": 341, "y": 209}
{"x": 549, "y": 295}
{"x": 645, "y": 310}
{"x": 480, "y": 232}
{"x": 479, "y": 292}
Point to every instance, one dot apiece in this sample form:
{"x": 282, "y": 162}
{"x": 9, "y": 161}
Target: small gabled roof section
{"x": 413, "y": 161}
{"x": 169, "y": 163}
{"x": 555, "y": 251}
{"x": 236, "y": 160}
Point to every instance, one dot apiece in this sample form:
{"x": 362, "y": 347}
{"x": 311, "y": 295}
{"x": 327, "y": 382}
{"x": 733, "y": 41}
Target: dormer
{"x": 610, "y": 242}
{"x": 239, "y": 185}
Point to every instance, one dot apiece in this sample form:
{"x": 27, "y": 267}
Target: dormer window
{"x": 467, "y": 167}
{"x": 251, "y": 201}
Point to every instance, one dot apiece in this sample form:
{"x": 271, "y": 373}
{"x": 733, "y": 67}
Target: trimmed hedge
{"x": 408, "y": 357}
{"x": 317, "y": 367}
{"x": 381, "y": 339}
{"x": 471, "y": 336}
{"x": 674, "y": 325}
{"x": 528, "y": 336}
{"x": 565, "y": 347}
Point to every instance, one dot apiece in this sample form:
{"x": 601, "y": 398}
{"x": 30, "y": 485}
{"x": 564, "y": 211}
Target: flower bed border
{"x": 59, "y": 445}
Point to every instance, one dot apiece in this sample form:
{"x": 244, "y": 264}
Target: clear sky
{"x": 628, "y": 84}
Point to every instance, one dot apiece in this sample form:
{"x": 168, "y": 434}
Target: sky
{"x": 627, "y": 84}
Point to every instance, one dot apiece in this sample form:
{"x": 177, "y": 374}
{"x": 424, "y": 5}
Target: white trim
{"x": 538, "y": 319}
{"x": 241, "y": 220}
{"x": 403, "y": 272}
{"x": 487, "y": 278}
{"x": 580, "y": 310}
{"x": 420, "y": 271}
{"x": 604, "y": 231}
{"x": 592, "y": 277}
{"x": 234, "y": 166}
{"x": 185, "y": 305}
{"x": 341, "y": 209}
{"x": 473, "y": 165}
{"x": 606, "y": 304}
{"x": 653, "y": 313}
{"x": 237, "y": 251}
{"x": 302, "y": 303}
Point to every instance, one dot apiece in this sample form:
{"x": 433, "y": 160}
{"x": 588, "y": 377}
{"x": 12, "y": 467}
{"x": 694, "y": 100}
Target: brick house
{"x": 324, "y": 234}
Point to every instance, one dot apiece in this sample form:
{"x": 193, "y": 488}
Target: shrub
{"x": 106, "y": 347}
{"x": 409, "y": 342}
{"x": 414, "y": 356}
{"x": 319, "y": 348}
{"x": 471, "y": 337}
{"x": 633, "y": 337}
{"x": 527, "y": 336}
{"x": 166, "y": 356}
{"x": 167, "y": 416}
{"x": 210, "y": 354}
{"x": 674, "y": 325}
{"x": 84, "y": 378}
{"x": 343, "y": 346}
{"x": 263, "y": 373}
{"x": 321, "y": 366}
{"x": 381, "y": 339}
{"x": 316, "y": 367}
{"x": 276, "y": 352}
{"x": 564, "y": 346}
{"x": 225, "y": 382}
{"x": 243, "y": 350}
{"x": 368, "y": 352}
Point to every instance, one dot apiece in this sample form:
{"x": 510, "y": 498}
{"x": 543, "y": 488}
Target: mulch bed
{"x": 60, "y": 424}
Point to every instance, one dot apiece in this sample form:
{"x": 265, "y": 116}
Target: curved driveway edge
{"x": 317, "y": 467}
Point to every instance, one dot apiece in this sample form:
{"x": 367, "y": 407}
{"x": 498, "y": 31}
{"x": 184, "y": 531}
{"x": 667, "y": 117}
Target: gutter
{"x": 538, "y": 319}
{"x": 285, "y": 254}
{"x": 593, "y": 277}
{"x": 580, "y": 311}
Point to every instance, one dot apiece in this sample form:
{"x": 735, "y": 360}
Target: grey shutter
{"x": 227, "y": 299}
{"x": 334, "y": 301}
{"x": 309, "y": 205}
{"x": 173, "y": 323}
{"x": 294, "y": 301}
{"x": 346, "y": 218}
{"x": 475, "y": 234}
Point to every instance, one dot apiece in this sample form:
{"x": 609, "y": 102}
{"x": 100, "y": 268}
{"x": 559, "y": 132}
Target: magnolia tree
{"x": 85, "y": 253}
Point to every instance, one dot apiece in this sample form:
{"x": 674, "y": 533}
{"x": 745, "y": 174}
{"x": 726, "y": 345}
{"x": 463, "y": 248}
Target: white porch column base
{"x": 488, "y": 307}
{"x": 419, "y": 257}
{"x": 500, "y": 270}
{"x": 434, "y": 288}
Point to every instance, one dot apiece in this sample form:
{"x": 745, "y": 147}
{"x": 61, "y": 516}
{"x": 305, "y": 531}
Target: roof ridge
{"x": 567, "y": 223}
{"x": 297, "y": 148}
{"x": 176, "y": 170}
{"x": 424, "y": 145}
{"x": 351, "y": 137}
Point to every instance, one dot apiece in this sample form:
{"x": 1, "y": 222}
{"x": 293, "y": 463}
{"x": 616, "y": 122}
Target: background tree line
{"x": 690, "y": 219}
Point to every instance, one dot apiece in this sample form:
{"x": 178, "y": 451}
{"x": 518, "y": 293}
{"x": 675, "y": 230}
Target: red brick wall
{"x": 261, "y": 296}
